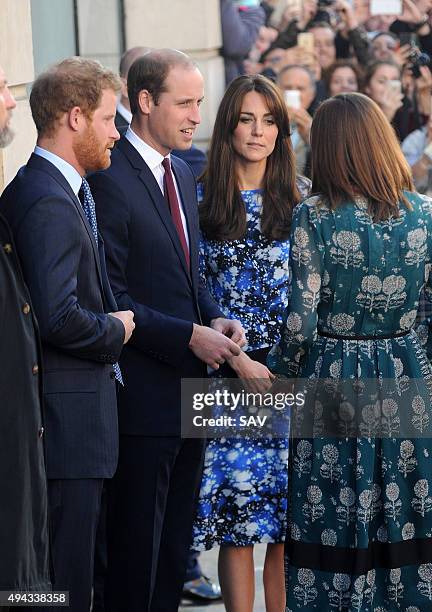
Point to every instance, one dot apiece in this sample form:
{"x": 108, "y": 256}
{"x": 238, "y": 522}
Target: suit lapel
{"x": 159, "y": 202}
{"x": 40, "y": 163}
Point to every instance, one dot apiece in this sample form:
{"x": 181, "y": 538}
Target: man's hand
{"x": 211, "y": 346}
{"x": 230, "y": 328}
{"x": 127, "y": 318}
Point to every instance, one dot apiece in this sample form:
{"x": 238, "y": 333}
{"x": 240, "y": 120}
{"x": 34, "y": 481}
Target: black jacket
{"x": 23, "y": 494}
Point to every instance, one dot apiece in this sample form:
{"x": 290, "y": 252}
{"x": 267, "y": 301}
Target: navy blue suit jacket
{"x": 66, "y": 275}
{"x": 148, "y": 274}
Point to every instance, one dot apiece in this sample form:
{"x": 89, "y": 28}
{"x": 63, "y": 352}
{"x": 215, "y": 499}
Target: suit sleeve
{"x": 49, "y": 241}
{"x": 156, "y": 334}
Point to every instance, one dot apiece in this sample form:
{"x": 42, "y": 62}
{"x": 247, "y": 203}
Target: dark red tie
{"x": 171, "y": 196}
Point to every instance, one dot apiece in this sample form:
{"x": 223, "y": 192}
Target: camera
{"x": 417, "y": 60}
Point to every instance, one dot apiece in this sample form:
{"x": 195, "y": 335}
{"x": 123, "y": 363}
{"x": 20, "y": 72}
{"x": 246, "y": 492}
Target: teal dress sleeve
{"x": 423, "y": 326}
{"x": 299, "y": 327}
{"x": 424, "y": 315}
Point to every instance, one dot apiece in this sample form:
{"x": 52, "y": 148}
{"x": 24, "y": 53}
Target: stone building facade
{"x": 37, "y": 33}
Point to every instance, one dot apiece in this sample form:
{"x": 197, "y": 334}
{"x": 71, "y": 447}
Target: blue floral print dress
{"x": 360, "y": 511}
{"x": 243, "y": 496}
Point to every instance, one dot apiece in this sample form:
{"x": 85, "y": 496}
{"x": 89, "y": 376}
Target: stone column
{"x": 192, "y": 26}
{"x": 100, "y": 31}
{"x": 16, "y": 58}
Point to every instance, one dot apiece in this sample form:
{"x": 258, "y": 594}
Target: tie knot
{"x": 166, "y": 164}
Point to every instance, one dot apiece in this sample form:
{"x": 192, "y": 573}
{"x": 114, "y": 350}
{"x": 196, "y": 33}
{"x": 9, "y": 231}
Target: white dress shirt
{"x": 124, "y": 112}
{"x": 154, "y": 159}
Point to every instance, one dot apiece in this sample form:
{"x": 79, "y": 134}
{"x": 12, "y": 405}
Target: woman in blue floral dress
{"x": 248, "y": 193}
{"x": 360, "y": 514}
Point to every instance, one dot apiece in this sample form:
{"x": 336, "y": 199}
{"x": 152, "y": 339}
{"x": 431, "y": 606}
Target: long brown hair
{"x": 355, "y": 152}
{"x": 222, "y": 213}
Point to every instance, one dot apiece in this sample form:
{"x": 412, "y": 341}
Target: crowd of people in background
{"x": 321, "y": 49}
{"x": 298, "y": 246}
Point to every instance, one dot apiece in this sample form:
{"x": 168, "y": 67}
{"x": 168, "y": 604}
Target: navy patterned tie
{"x": 89, "y": 207}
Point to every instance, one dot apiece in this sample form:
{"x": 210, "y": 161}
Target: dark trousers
{"x": 151, "y": 507}
{"x": 193, "y": 568}
{"x": 74, "y": 507}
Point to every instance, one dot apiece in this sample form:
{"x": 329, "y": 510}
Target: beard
{"x": 91, "y": 154}
{"x": 6, "y": 136}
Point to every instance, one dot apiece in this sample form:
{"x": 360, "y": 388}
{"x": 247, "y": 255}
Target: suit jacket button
{"x": 35, "y": 369}
{"x": 26, "y": 308}
{"x": 41, "y": 432}
{"x": 7, "y": 248}
{"x": 112, "y": 375}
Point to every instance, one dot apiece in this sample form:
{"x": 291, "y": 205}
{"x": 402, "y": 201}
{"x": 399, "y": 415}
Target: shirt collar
{"x": 124, "y": 112}
{"x": 152, "y": 158}
{"x": 72, "y": 176}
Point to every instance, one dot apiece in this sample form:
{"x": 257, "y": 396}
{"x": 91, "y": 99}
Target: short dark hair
{"x": 75, "y": 81}
{"x": 150, "y": 72}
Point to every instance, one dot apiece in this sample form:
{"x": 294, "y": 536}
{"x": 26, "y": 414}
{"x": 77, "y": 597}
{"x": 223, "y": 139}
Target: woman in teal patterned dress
{"x": 360, "y": 504}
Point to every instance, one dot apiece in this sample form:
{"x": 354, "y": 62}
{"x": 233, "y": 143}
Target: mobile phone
{"x": 395, "y": 85}
{"x": 306, "y": 41}
{"x": 292, "y": 98}
{"x": 385, "y": 7}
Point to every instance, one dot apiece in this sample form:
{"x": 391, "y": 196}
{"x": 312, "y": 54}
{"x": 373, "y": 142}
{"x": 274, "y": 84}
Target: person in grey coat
{"x": 241, "y": 21}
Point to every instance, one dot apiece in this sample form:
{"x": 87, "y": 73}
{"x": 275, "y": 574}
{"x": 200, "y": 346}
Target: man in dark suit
{"x": 148, "y": 214}
{"x": 51, "y": 213}
{"x": 23, "y": 506}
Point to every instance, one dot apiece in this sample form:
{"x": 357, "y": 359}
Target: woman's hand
{"x": 402, "y": 55}
{"x": 411, "y": 13}
{"x": 423, "y": 87}
{"x": 256, "y": 376}
{"x": 303, "y": 122}
{"x": 391, "y": 102}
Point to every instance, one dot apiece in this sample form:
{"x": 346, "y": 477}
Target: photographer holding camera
{"x": 415, "y": 19}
